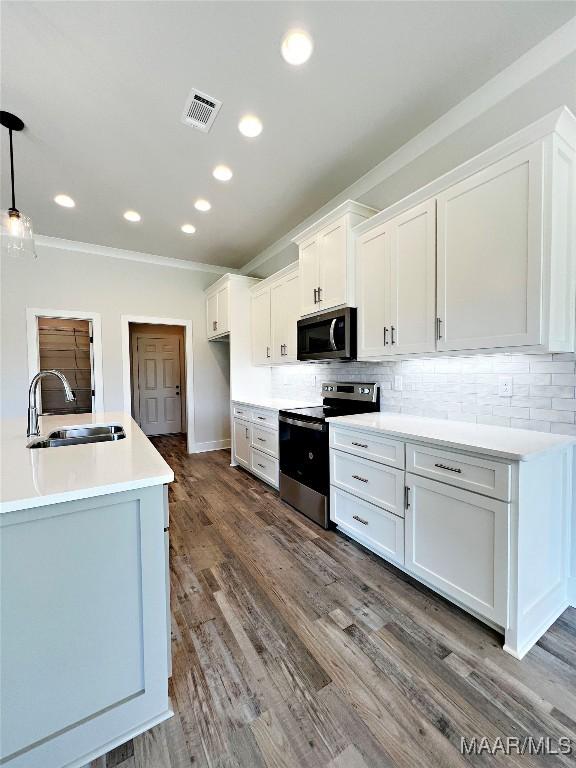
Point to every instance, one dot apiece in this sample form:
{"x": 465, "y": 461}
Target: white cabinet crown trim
{"x": 349, "y": 206}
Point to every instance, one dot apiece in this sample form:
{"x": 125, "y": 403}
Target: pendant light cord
{"x": 12, "y": 170}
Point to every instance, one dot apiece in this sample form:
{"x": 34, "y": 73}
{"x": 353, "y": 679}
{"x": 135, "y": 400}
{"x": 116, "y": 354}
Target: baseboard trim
{"x": 212, "y": 445}
{"x": 572, "y": 591}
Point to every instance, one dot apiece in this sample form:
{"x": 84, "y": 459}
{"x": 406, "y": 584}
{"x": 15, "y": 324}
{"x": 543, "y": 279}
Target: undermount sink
{"x": 79, "y": 435}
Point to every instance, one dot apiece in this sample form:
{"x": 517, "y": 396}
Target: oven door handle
{"x": 332, "y": 329}
{"x": 298, "y": 423}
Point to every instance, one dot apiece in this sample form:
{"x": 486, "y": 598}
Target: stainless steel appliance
{"x": 304, "y": 449}
{"x": 328, "y": 336}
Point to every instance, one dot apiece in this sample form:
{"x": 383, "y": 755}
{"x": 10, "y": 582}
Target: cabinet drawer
{"x": 373, "y": 482}
{"x": 265, "y": 439}
{"x": 242, "y": 412}
{"x": 267, "y": 418}
{"x": 479, "y": 475}
{"x": 370, "y": 446}
{"x": 375, "y": 528}
{"x": 264, "y": 466}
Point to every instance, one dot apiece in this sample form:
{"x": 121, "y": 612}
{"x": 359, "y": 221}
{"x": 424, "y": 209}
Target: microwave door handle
{"x": 332, "y": 329}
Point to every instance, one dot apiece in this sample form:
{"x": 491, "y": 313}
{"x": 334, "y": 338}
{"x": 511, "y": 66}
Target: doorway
{"x": 158, "y": 378}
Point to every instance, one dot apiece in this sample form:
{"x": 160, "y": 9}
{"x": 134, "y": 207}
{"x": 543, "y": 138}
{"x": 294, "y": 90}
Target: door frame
{"x": 134, "y": 340}
{"x": 125, "y": 321}
{"x": 32, "y": 315}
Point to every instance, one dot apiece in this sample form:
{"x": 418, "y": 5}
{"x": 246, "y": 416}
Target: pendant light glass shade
{"x": 16, "y": 235}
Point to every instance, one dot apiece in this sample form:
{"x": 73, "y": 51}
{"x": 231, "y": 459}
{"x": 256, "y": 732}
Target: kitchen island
{"x": 84, "y": 646}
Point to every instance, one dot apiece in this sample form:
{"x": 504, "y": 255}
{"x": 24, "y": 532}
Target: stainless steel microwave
{"x": 328, "y": 336}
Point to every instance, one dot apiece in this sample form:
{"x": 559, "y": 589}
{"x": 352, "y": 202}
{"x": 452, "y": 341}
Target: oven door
{"x": 329, "y": 336}
{"x": 304, "y": 453}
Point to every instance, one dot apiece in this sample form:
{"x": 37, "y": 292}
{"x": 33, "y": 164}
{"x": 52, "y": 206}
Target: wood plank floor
{"x": 293, "y": 647}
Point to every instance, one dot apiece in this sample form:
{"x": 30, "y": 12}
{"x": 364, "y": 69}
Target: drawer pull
{"x": 360, "y": 445}
{"x": 360, "y": 520}
{"x": 262, "y": 439}
{"x": 262, "y": 418}
{"x": 362, "y": 479}
{"x": 450, "y": 469}
{"x": 261, "y": 465}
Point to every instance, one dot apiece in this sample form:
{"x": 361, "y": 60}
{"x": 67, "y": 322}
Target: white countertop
{"x": 278, "y": 404}
{"x": 32, "y": 477}
{"x": 500, "y": 442}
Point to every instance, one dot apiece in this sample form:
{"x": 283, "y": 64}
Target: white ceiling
{"x": 101, "y": 87}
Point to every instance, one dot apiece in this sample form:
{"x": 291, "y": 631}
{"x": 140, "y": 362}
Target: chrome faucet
{"x": 33, "y": 398}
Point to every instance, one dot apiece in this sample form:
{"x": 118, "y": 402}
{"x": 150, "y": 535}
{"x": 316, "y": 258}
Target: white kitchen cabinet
{"x": 274, "y": 318}
{"x": 396, "y": 285}
{"x": 284, "y": 296}
{"x": 457, "y": 541}
{"x": 242, "y": 441}
{"x": 326, "y": 262}
{"x": 218, "y": 308}
{"x": 490, "y": 266}
{"x": 260, "y": 322}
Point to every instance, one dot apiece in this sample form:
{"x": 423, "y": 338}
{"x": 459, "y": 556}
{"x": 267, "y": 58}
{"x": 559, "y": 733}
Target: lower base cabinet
{"x": 457, "y": 541}
{"x": 377, "y": 529}
{"x": 255, "y": 441}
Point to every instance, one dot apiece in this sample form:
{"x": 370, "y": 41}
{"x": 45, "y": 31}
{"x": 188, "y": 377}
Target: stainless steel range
{"x": 304, "y": 449}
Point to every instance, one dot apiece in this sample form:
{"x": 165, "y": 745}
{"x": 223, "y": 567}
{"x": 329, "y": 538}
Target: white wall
{"x": 63, "y": 279}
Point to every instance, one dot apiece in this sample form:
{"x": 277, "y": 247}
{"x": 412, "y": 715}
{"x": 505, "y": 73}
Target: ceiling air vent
{"x": 200, "y": 110}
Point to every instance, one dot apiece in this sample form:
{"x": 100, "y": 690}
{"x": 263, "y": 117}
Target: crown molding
{"x": 544, "y": 55}
{"x": 91, "y": 249}
{"x": 348, "y": 206}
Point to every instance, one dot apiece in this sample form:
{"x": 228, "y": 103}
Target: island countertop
{"x": 500, "y": 442}
{"x": 34, "y": 477}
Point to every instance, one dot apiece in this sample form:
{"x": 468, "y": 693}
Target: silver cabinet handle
{"x": 392, "y": 329}
{"x": 450, "y": 469}
{"x": 385, "y": 335}
{"x": 360, "y": 445}
{"x": 315, "y": 299}
{"x": 360, "y": 520}
{"x": 362, "y": 479}
{"x": 406, "y": 497}
{"x": 267, "y": 351}
{"x": 438, "y": 328}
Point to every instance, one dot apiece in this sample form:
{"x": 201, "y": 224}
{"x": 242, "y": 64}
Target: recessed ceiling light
{"x": 132, "y": 216}
{"x": 64, "y": 201}
{"x": 202, "y": 205}
{"x": 222, "y": 173}
{"x": 250, "y": 126}
{"x": 188, "y": 229}
{"x": 297, "y": 46}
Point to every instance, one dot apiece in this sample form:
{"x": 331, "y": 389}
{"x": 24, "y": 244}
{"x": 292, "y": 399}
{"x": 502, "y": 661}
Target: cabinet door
{"x": 373, "y": 291}
{"x": 490, "y": 254}
{"x": 457, "y": 541}
{"x": 284, "y": 311}
{"x": 413, "y": 281}
{"x": 309, "y": 277}
{"x": 260, "y": 323}
{"x": 242, "y": 436}
{"x": 333, "y": 254}
{"x": 223, "y": 319}
{"x": 211, "y": 314}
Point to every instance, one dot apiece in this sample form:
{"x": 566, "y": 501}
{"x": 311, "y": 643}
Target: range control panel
{"x": 350, "y": 391}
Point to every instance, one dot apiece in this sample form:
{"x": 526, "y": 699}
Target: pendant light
{"x": 15, "y": 228}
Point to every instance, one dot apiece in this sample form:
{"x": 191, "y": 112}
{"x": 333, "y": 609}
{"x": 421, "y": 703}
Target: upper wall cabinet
{"x": 218, "y": 309}
{"x": 502, "y": 230}
{"x": 326, "y": 259}
{"x": 274, "y": 315}
{"x": 396, "y": 285}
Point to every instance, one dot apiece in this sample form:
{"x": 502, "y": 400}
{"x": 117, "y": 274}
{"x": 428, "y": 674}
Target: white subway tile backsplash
{"x": 542, "y": 397}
